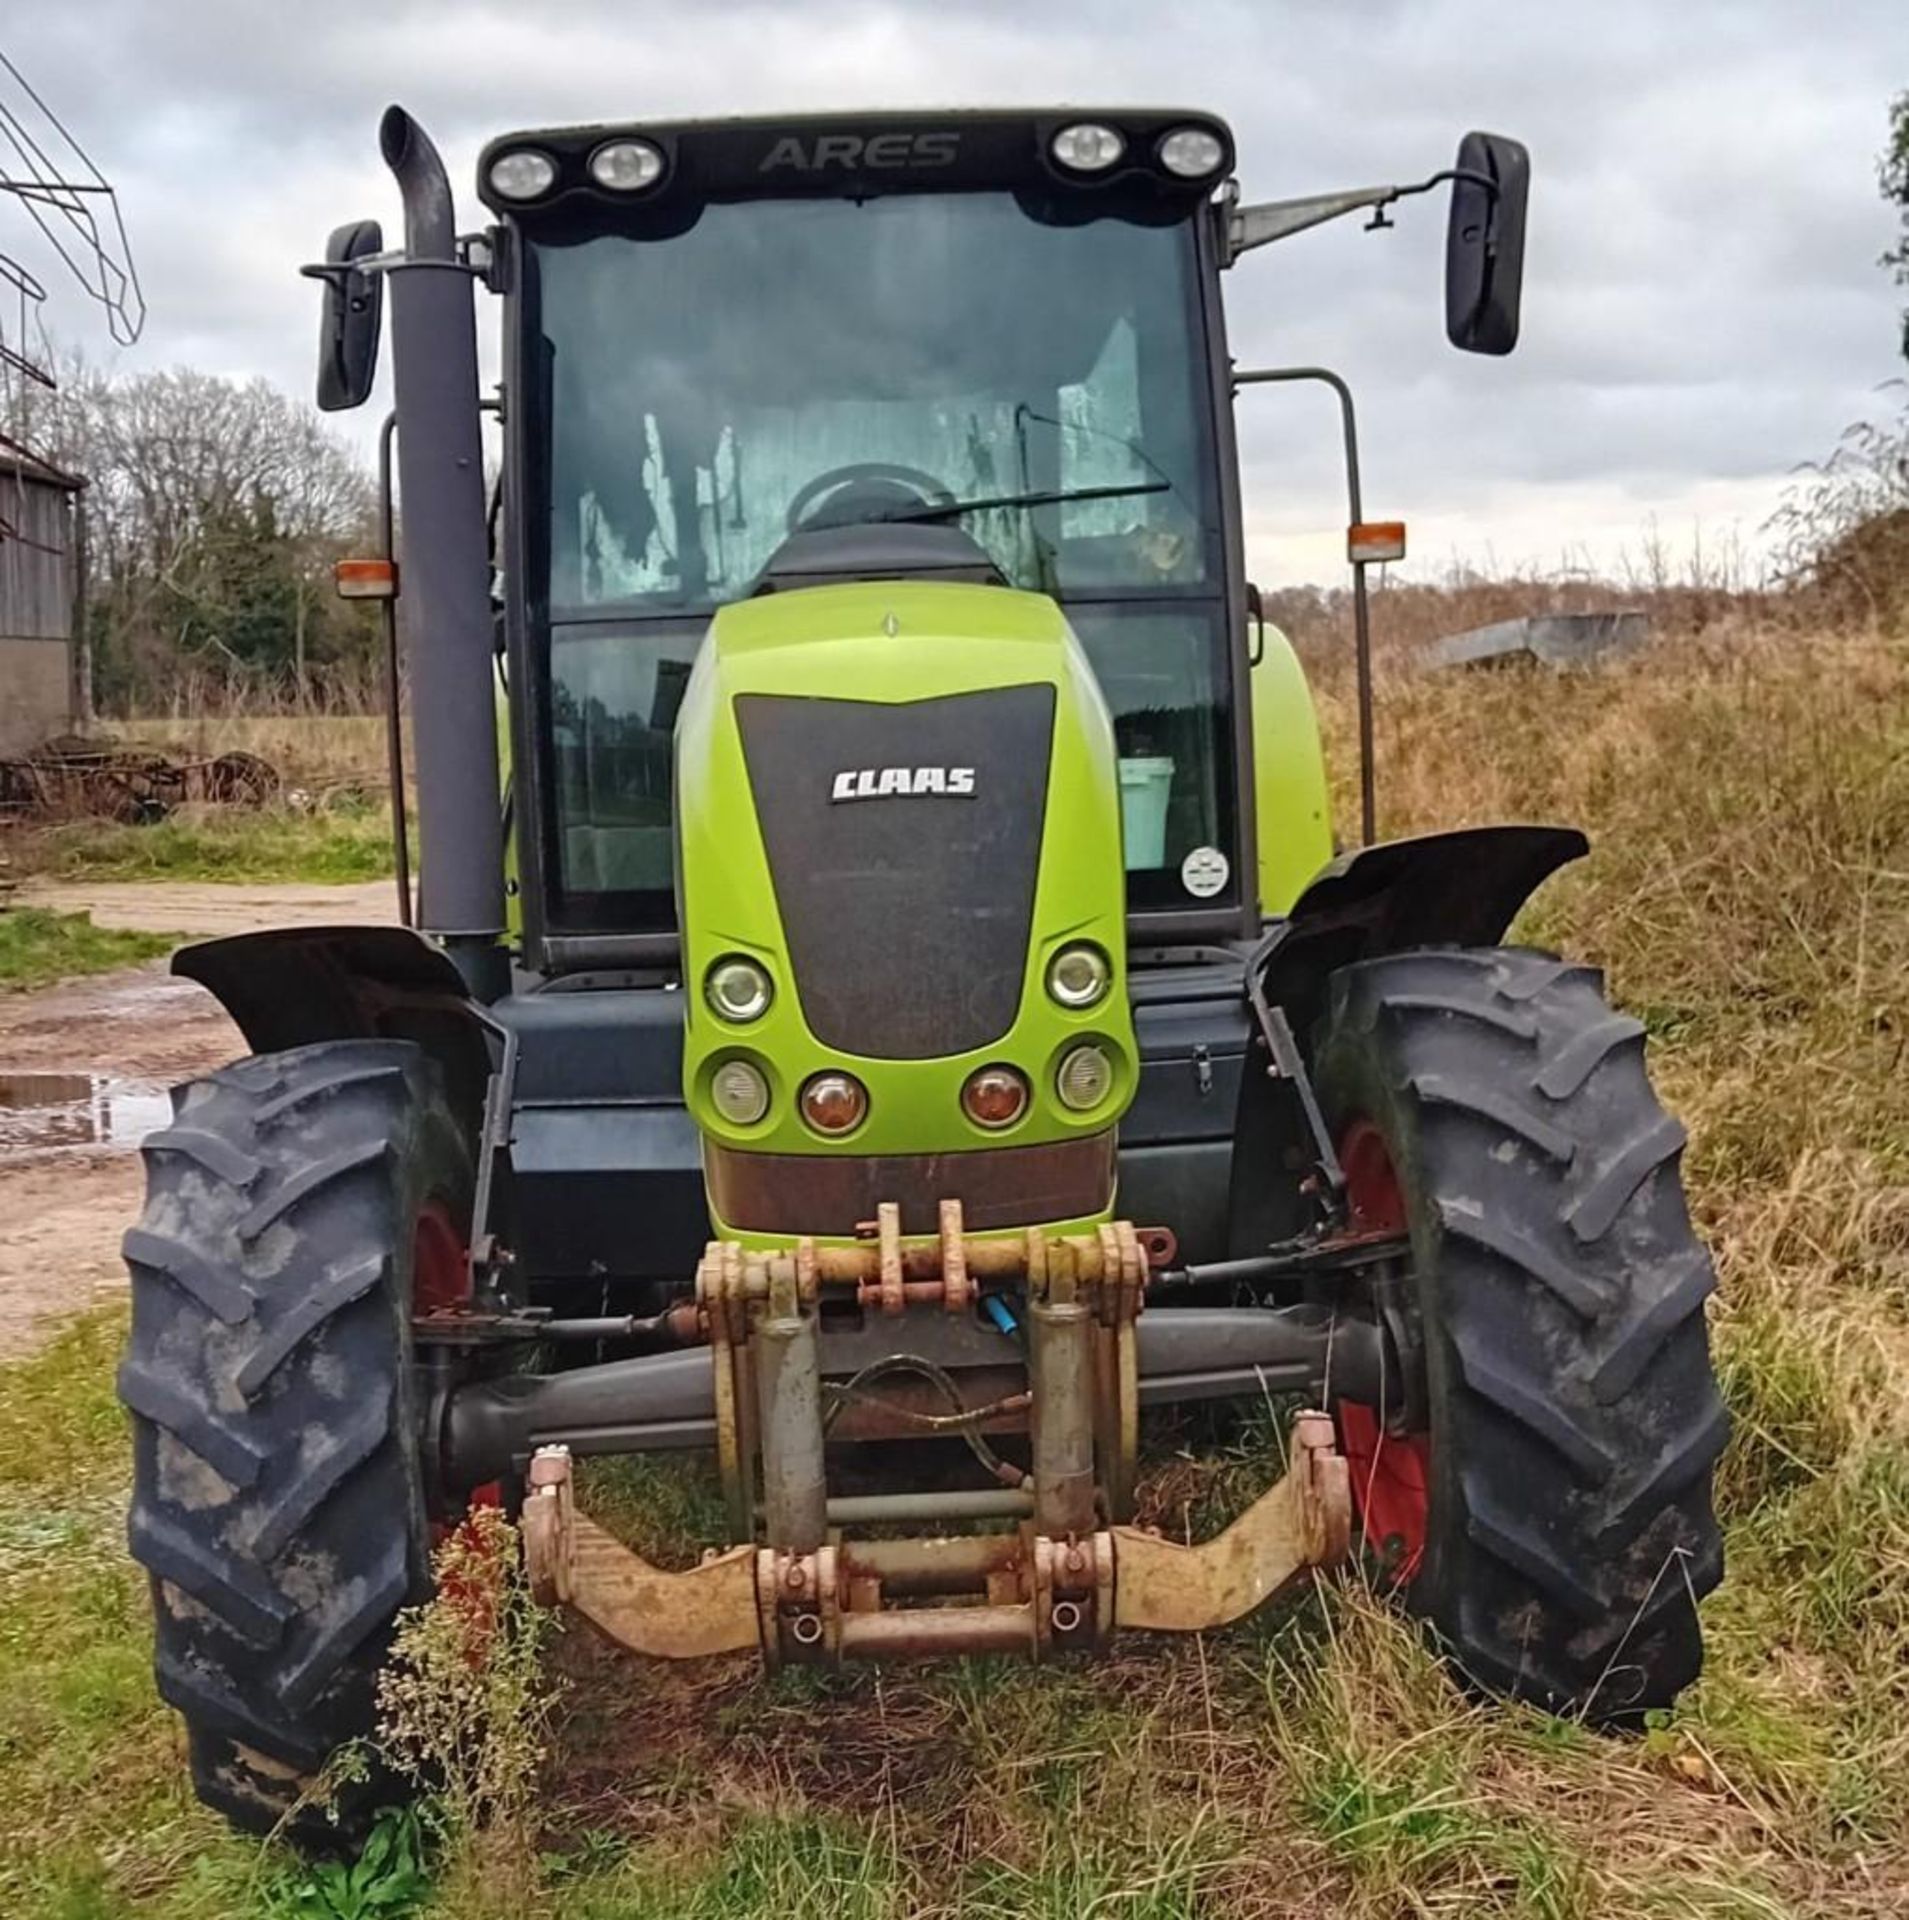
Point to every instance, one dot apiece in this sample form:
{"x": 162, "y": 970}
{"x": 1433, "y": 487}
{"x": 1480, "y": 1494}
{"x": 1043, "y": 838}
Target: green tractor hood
{"x": 900, "y": 800}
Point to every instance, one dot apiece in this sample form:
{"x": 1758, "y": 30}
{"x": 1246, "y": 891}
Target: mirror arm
{"x": 366, "y": 263}
{"x": 1270, "y": 220}
{"x": 1439, "y": 178}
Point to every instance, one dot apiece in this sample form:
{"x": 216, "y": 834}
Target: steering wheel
{"x": 860, "y": 491}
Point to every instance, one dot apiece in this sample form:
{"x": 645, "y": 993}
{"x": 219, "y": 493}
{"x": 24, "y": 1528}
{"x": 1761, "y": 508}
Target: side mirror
{"x": 1485, "y": 243}
{"x": 354, "y": 308}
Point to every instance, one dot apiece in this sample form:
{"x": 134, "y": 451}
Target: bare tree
{"x": 215, "y": 508}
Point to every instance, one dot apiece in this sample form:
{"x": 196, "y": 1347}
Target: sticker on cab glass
{"x": 1204, "y": 872}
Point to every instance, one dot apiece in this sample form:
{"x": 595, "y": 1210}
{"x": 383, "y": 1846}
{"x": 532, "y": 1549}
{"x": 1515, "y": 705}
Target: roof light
{"x": 1087, "y": 147}
{"x": 1192, "y": 152}
{"x": 626, "y": 166}
{"x": 1375, "y": 540}
{"x": 522, "y": 175}
{"x": 365, "y": 579}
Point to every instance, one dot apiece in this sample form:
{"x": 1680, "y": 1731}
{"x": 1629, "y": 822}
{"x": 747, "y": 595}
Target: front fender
{"x": 294, "y": 986}
{"x": 1462, "y": 888}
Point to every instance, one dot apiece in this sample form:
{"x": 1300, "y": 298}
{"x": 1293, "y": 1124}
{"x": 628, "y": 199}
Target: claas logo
{"x": 887, "y": 783}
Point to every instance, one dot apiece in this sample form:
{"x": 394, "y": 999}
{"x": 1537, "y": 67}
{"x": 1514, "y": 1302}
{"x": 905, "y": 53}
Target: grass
{"x": 331, "y": 823}
{"x": 38, "y": 947}
{"x": 346, "y": 841}
{"x": 94, "y": 1823}
{"x": 1748, "y": 893}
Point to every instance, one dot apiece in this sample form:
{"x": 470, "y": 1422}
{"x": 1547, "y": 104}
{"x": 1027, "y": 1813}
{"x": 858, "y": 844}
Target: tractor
{"x": 884, "y": 1007}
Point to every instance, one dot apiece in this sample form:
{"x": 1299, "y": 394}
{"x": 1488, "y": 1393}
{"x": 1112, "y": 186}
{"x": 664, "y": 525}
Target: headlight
{"x": 834, "y": 1102}
{"x": 523, "y": 175}
{"x": 626, "y": 166}
{"x": 738, "y": 989}
{"x": 994, "y": 1097}
{"x": 1079, "y": 976}
{"x": 1085, "y": 1079}
{"x": 1191, "y": 152}
{"x": 1087, "y": 147}
{"x": 739, "y": 1092}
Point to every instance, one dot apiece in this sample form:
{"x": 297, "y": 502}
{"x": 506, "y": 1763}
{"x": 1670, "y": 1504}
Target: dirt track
{"x": 65, "y": 1200}
{"x": 163, "y": 906}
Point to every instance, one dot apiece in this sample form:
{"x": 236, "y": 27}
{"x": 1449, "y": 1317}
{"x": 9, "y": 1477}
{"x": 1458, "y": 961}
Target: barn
{"x": 41, "y": 557}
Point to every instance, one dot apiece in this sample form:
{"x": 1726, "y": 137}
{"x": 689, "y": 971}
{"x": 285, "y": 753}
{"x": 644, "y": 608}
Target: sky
{"x": 1703, "y": 307}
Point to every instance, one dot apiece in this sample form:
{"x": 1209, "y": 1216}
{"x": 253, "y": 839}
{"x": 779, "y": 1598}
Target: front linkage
{"x": 1068, "y": 1575}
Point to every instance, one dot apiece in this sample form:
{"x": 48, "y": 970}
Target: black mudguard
{"x": 1442, "y": 889}
{"x": 296, "y": 986}
{"x": 1462, "y": 889}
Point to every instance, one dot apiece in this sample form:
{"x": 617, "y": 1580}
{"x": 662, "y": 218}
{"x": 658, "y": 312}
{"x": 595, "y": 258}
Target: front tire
{"x": 278, "y": 1497}
{"x": 1495, "y": 1108}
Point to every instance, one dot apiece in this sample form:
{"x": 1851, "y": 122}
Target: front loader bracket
{"x": 1020, "y": 1592}
{"x": 573, "y": 1562}
{"x": 1304, "y": 1521}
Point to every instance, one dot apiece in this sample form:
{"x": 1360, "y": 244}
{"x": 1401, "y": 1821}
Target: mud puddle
{"x": 46, "y": 1112}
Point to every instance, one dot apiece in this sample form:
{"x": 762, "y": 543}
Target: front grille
{"x": 907, "y": 913}
{"x": 998, "y": 1187}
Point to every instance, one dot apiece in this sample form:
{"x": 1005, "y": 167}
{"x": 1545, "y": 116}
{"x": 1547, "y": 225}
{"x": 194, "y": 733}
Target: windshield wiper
{"x": 953, "y": 509}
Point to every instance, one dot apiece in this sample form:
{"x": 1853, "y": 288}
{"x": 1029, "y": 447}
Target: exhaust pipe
{"x": 445, "y": 569}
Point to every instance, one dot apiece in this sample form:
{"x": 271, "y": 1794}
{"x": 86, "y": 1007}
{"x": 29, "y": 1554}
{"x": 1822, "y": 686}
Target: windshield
{"x": 705, "y": 385}
{"x": 1033, "y": 377}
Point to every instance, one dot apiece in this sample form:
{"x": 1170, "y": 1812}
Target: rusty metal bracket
{"x": 1022, "y": 1593}
{"x": 1065, "y": 1579}
{"x": 948, "y": 1268}
{"x": 1117, "y": 1300}
{"x": 707, "y": 1610}
{"x": 1304, "y": 1521}
{"x": 719, "y": 1294}
{"x": 956, "y": 1290}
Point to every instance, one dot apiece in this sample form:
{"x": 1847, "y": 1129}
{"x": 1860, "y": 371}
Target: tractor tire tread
{"x": 278, "y": 1500}
{"x": 215, "y": 1287}
{"x": 1576, "y": 1416}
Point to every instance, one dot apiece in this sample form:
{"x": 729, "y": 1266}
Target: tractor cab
{"x": 752, "y": 356}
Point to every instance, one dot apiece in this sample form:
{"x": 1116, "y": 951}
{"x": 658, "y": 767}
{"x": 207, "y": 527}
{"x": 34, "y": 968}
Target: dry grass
{"x": 312, "y": 750}
{"x": 464, "y": 1706}
{"x": 1748, "y": 795}
{"x": 331, "y": 821}
{"x": 286, "y": 841}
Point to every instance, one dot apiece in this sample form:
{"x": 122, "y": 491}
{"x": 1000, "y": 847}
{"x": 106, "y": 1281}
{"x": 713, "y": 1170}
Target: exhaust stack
{"x": 445, "y": 603}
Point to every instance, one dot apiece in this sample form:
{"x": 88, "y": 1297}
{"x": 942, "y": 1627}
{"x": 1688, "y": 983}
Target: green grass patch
{"x": 669, "y": 1507}
{"x": 266, "y": 846}
{"x": 38, "y": 947}
{"x": 800, "y": 1867}
{"x": 98, "y": 1820}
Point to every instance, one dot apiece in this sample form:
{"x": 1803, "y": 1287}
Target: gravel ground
{"x": 83, "y": 1068}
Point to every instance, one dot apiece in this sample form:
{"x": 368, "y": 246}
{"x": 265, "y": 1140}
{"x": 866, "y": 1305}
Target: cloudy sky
{"x": 1703, "y": 307}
